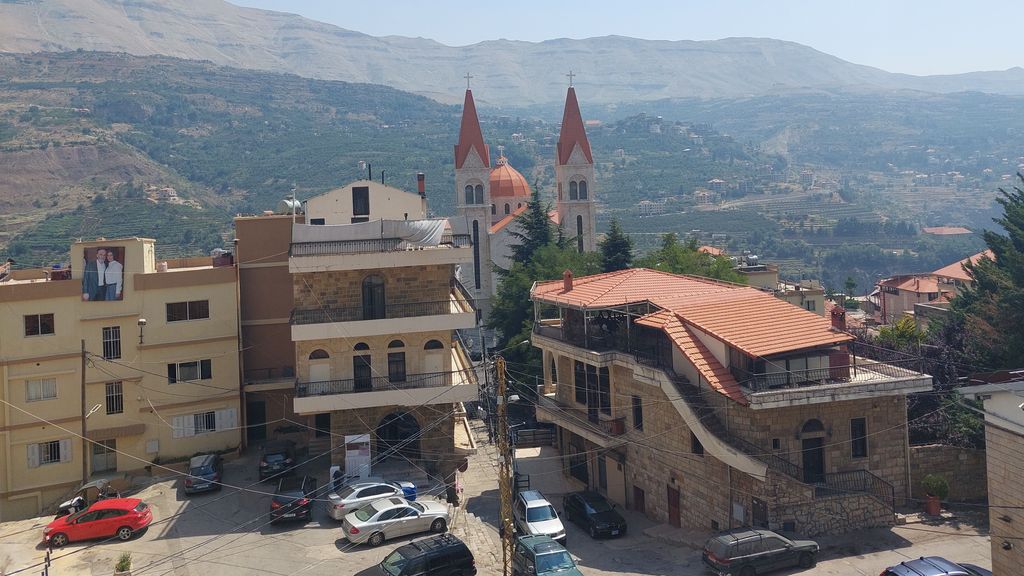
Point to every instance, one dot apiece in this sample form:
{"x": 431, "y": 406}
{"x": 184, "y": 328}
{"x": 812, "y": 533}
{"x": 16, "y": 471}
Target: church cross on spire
{"x": 467, "y": 77}
{"x": 570, "y": 75}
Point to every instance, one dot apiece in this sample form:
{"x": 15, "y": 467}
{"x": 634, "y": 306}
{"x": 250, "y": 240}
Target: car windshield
{"x": 394, "y": 563}
{"x": 419, "y": 507}
{"x": 540, "y": 513}
{"x": 365, "y": 513}
{"x": 346, "y": 492}
{"x": 274, "y": 458}
{"x": 75, "y": 517}
{"x": 554, "y": 562}
{"x": 718, "y": 548}
{"x": 200, "y": 470}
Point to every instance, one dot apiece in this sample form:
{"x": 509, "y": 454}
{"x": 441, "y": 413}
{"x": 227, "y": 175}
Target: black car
{"x": 204, "y": 473}
{"x": 750, "y": 551}
{"x": 293, "y": 499}
{"x": 934, "y": 566}
{"x": 592, "y": 512}
{"x": 441, "y": 555}
{"x": 278, "y": 458}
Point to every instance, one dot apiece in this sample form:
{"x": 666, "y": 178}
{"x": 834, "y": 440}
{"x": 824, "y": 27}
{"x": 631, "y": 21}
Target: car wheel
{"x": 376, "y": 539}
{"x": 124, "y": 533}
{"x": 807, "y": 560}
{"x": 748, "y": 571}
{"x": 593, "y": 532}
{"x": 438, "y": 525}
{"x": 59, "y": 539}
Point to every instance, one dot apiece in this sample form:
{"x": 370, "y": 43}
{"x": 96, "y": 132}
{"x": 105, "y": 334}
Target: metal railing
{"x": 359, "y": 312}
{"x": 858, "y": 481}
{"x": 864, "y": 370}
{"x": 263, "y": 374}
{"x": 380, "y": 384}
{"x": 774, "y": 462}
{"x": 371, "y": 245}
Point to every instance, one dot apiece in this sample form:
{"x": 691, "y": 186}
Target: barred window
{"x": 115, "y": 398}
{"x": 205, "y": 422}
{"x": 112, "y": 342}
{"x": 49, "y": 452}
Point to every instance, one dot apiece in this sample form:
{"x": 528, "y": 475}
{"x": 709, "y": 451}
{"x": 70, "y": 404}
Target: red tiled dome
{"x": 507, "y": 182}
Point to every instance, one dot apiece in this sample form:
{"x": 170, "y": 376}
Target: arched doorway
{"x": 812, "y": 444}
{"x": 398, "y": 436}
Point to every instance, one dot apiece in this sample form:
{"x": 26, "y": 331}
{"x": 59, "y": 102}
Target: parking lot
{"x": 228, "y": 533}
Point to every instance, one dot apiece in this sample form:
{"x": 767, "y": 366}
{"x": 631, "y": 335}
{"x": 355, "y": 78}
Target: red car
{"x": 120, "y": 517}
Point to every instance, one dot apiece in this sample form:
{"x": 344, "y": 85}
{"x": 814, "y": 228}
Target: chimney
{"x": 566, "y": 281}
{"x": 421, "y": 184}
{"x": 369, "y": 172}
{"x": 839, "y": 318}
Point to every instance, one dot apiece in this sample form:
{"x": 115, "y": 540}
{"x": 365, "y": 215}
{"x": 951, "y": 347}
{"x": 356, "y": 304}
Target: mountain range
{"x": 608, "y": 70}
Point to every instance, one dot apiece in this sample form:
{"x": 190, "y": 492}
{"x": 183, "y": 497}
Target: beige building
{"x": 160, "y": 368}
{"x": 1002, "y": 399}
{"x": 714, "y": 405}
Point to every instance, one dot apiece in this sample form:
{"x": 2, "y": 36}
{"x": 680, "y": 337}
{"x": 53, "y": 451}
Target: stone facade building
{"x": 713, "y": 405}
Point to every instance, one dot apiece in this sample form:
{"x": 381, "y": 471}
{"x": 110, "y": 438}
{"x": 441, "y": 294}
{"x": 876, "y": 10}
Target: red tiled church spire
{"x": 572, "y": 132}
{"x": 470, "y": 136}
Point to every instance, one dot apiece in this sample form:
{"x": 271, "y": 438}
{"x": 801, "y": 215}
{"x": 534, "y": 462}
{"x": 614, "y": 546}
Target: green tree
{"x": 849, "y": 286}
{"x": 533, "y": 230}
{"x": 616, "y": 248}
{"x": 679, "y": 258}
{"x": 901, "y": 334}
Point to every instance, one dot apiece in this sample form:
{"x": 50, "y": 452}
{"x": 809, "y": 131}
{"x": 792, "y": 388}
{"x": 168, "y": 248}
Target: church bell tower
{"x": 574, "y": 175}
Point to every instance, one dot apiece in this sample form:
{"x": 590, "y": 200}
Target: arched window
{"x": 319, "y": 354}
{"x": 433, "y": 345}
{"x": 583, "y": 189}
{"x": 519, "y": 205}
{"x": 362, "y": 374}
{"x": 579, "y": 234}
{"x": 507, "y": 208}
{"x": 573, "y": 191}
{"x": 373, "y": 298}
{"x": 811, "y": 426}
{"x": 361, "y": 346}
{"x": 478, "y": 194}
{"x": 494, "y": 209}
{"x": 554, "y": 370}
{"x": 476, "y": 254}
{"x": 469, "y": 194}
{"x": 396, "y": 344}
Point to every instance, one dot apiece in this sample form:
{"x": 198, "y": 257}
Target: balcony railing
{"x": 855, "y": 481}
{"x": 862, "y": 371}
{"x": 371, "y": 245}
{"x": 358, "y": 312}
{"x": 380, "y": 383}
{"x": 265, "y": 374}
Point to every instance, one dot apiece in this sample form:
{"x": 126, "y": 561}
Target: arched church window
{"x": 583, "y": 189}
{"x": 478, "y": 194}
{"x": 494, "y": 209}
{"x": 573, "y": 191}
{"x": 469, "y": 194}
{"x": 508, "y": 209}
{"x": 476, "y": 254}
{"x": 518, "y": 206}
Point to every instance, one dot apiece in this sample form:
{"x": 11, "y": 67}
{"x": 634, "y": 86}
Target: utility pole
{"x": 85, "y": 441}
{"x": 504, "y": 473}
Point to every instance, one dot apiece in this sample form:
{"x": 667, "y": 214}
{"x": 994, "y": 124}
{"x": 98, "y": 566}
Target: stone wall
{"x": 839, "y": 515}
{"x": 963, "y": 468}
{"x": 344, "y": 289}
{"x": 1006, "y": 501}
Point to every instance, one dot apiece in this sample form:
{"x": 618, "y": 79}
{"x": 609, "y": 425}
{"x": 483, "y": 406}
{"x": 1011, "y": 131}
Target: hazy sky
{"x": 911, "y": 36}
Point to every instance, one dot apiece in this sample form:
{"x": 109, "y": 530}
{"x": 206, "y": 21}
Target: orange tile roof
{"x": 946, "y": 230}
{"x": 500, "y": 224}
{"x": 718, "y": 377}
{"x": 572, "y": 131}
{"x": 917, "y": 283}
{"x": 507, "y": 182}
{"x": 711, "y": 250}
{"x": 956, "y": 269}
{"x": 470, "y": 135}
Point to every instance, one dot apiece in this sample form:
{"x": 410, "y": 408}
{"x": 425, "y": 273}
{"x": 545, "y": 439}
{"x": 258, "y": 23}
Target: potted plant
{"x": 937, "y": 488}
{"x": 124, "y": 565}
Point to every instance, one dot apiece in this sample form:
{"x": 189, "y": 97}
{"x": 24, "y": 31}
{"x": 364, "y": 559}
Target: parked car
{"x": 392, "y": 517}
{"x": 204, "y": 473}
{"x": 293, "y": 499}
{"x": 278, "y": 458}
{"x": 352, "y": 496}
{"x": 534, "y": 515}
{"x": 750, "y": 551}
{"x": 540, "y": 555}
{"x": 120, "y": 517}
{"x": 439, "y": 555}
{"x": 934, "y": 566}
{"x": 592, "y": 512}
{"x": 87, "y": 495}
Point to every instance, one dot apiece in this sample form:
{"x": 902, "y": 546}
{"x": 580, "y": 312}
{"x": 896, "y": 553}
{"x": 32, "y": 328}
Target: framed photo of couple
{"x": 103, "y": 276}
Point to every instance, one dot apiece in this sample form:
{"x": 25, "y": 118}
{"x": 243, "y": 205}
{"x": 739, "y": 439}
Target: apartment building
{"x": 153, "y": 343}
{"x": 714, "y": 405}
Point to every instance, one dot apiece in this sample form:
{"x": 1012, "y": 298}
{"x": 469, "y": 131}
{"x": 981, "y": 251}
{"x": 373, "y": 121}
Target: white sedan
{"x": 393, "y": 517}
{"x": 349, "y": 498}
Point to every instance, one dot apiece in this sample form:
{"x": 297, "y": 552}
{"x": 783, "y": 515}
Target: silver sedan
{"x": 393, "y": 517}
{"x": 351, "y": 497}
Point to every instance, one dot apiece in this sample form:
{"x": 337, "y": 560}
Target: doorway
{"x": 398, "y": 435}
{"x": 322, "y": 424}
{"x": 256, "y": 420}
{"x": 638, "y": 500}
{"x": 104, "y": 455}
{"x": 814, "y": 460}
{"x": 759, "y": 512}
{"x": 673, "y": 506}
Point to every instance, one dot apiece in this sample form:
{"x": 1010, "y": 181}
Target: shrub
{"x": 124, "y": 562}
{"x": 935, "y": 485}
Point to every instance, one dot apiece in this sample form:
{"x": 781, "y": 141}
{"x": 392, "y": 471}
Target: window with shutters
{"x": 49, "y": 452}
{"x": 209, "y": 421}
{"x": 45, "y": 389}
{"x": 38, "y": 324}
{"x": 189, "y": 371}
{"x": 204, "y": 422}
{"x": 192, "y": 310}
{"x": 112, "y": 342}
{"x": 858, "y": 438}
{"x": 115, "y": 398}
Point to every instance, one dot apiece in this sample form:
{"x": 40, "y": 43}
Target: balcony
{"x": 399, "y": 317}
{"x": 595, "y": 426}
{"x": 414, "y": 390}
{"x": 261, "y": 379}
{"x": 370, "y": 253}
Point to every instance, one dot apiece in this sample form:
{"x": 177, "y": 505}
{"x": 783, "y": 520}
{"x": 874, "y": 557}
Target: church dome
{"x": 507, "y": 182}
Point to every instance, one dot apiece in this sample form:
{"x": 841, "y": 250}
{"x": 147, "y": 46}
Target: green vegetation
{"x": 680, "y": 258}
{"x": 616, "y": 249}
{"x": 935, "y": 485}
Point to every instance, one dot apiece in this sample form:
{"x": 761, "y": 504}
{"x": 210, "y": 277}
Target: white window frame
{"x": 54, "y": 451}
{"x": 46, "y": 389}
{"x": 115, "y": 392}
{"x": 185, "y": 425}
{"x": 178, "y": 379}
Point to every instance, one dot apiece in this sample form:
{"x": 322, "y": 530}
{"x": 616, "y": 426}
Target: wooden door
{"x": 638, "y": 500}
{"x": 814, "y": 460}
{"x": 673, "y": 506}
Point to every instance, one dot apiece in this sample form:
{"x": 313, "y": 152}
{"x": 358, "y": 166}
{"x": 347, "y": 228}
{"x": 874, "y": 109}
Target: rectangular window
{"x": 396, "y": 366}
{"x": 115, "y": 398}
{"x": 49, "y": 452}
{"x": 45, "y": 389}
{"x": 205, "y": 422}
{"x": 189, "y": 371}
{"x": 192, "y": 310}
{"x": 638, "y": 413}
{"x": 859, "y": 437}
{"x": 38, "y": 324}
{"x": 604, "y": 390}
{"x": 776, "y": 444}
{"x": 360, "y": 200}
{"x": 695, "y": 446}
{"x": 112, "y": 342}
{"x": 580, "y": 382}
{"x": 810, "y": 305}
